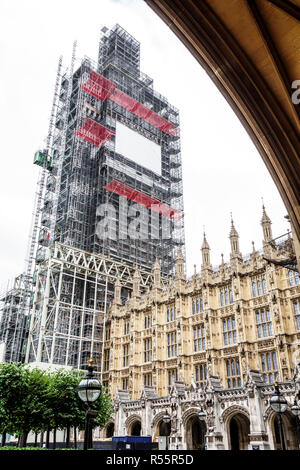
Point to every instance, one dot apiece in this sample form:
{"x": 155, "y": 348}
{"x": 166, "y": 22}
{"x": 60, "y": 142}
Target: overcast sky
{"x": 222, "y": 171}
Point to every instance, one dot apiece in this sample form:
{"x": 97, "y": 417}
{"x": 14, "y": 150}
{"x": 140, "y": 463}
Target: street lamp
{"x": 295, "y": 409}
{"x": 89, "y": 390}
{"x": 279, "y": 404}
{"x": 166, "y": 419}
{"x": 202, "y": 416}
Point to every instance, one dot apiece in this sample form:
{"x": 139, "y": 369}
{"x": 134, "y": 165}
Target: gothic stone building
{"x": 216, "y": 342}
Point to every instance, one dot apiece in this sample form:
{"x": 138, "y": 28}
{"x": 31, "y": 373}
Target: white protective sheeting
{"x": 138, "y": 148}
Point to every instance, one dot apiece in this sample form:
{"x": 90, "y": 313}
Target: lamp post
{"x": 166, "y": 420}
{"x": 89, "y": 390}
{"x": 279, "y": 404}
{"x": 202, "y": 417}
{"x": 295, "y": 409}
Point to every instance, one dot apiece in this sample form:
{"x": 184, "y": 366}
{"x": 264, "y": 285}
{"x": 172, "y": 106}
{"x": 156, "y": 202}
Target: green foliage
{"x": 104, "y": 407}
{"x": 37, "y": 400}
{"x": 12, "y": 391}
{"x": 65, "y": 408}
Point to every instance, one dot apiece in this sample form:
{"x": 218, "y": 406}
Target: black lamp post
{"x": 166, "y": 420}
{"x": 279, "y": 404}
{"x": 295, "y": 409}
{"x": 202, "y": 417}
{"x": 89, "y": 390}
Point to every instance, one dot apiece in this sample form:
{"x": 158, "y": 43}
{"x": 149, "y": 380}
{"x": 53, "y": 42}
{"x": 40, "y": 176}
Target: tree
{"x": 33, "y": 410}
{"x": 23, "y": 403}
{"x": 37, "y": 400}
{"x": 64, "y": 404}
{"x": 12, "y": 390}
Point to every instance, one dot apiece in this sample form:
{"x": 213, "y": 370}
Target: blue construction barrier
{"x": 133, "y": 443}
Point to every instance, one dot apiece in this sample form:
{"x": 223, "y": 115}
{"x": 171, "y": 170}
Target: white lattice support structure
{"x": 73, "y": 289}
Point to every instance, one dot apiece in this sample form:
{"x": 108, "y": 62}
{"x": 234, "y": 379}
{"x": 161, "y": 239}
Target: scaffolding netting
{"x": 145, "y": 113}
{"x": 94, "y": 133}
{"x": 143, "y": 199}
{"x": 99, "y": 86}
{"x": 102, "y": 89}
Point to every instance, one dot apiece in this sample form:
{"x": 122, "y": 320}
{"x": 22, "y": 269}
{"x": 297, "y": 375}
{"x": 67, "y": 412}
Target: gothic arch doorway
{"x": 110, "y": 429}
{"x": 289, "y": 427}
{"x": 164, "y": 429}
{"x": 135, "y": 429}
{"x": 238, "y": 432}
{"x": 195, "y": 433}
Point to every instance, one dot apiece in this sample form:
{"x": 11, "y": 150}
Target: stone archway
{"x": 133, "y": 425}
{"x": 238, "y": 432}
{"x": 110, "y": 429}
{"x": 194, "y": 429}
{"x": 136, "y": 429}
{"x": 195, "y": 433}
{"x": 159, "y": 427}
{"x": 289, "y": 428}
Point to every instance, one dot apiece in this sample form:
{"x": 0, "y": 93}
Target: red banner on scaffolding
{"x": 143, "y": 199}
{"x": 102, "y": 89}
{"x": 145, "y": 113}
{"x": 94, "y": 133}
{"x": 99, "y": 86}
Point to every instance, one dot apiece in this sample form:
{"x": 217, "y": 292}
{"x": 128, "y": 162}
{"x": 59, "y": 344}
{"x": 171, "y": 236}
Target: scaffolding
{"x": 73, "y": 289}
{"x": 13, "y": 322}
{"x": 102, "y": 94}
{"x": 16, "y": 303}
{"x": 81, "y": 170}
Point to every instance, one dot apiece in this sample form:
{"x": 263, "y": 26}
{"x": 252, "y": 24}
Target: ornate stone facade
{"x": 217, "y": 341}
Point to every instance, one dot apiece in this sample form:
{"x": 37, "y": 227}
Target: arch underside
{"x": 251, "y": 51}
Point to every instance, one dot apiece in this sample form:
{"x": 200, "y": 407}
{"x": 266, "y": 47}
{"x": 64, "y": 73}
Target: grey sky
{"x": 222, "y": 171}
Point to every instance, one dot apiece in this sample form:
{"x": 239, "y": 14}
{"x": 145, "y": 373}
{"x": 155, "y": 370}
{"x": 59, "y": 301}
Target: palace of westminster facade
{"x": 216, "y": 343}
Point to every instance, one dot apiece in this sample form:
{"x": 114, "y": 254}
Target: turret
{"x": 266, "y": 225}
{"x": 205, "y": 254}
{"x": 117, "y": 293}
{"x": 179, "y": 265}
{"x": 136, "y": 283}
{"x": 156, "y": 275}
{"x": 234, "y": 242}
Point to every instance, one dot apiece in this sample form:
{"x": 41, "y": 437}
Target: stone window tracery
{"x": 199, "y": 338}
{"x": 226, "y": 295}
{"x": 229, "y": 330}
{"x": 263, "y": 323}
{"x": 233, "y": 373}
{"x": 172, "y": 344}
{"x": 197, "y": 305}
{"x": 297, "y": 313}
{"x": 269, "y": 367}
{"x": 259, "y": 285}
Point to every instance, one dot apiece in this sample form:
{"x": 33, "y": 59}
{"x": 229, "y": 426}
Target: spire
{"x": 266, "y": 225}
{"x": 179, "y": 265}
{"x": 205, "y": 244}
{"x": 117, "y": 295}
{"x": 233, "y": 232}
{"x": 156, "y": 274}
{"x": 234, "y": 241}
{"x": 205, "y": 253}
{"x": 136, "y": 283}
